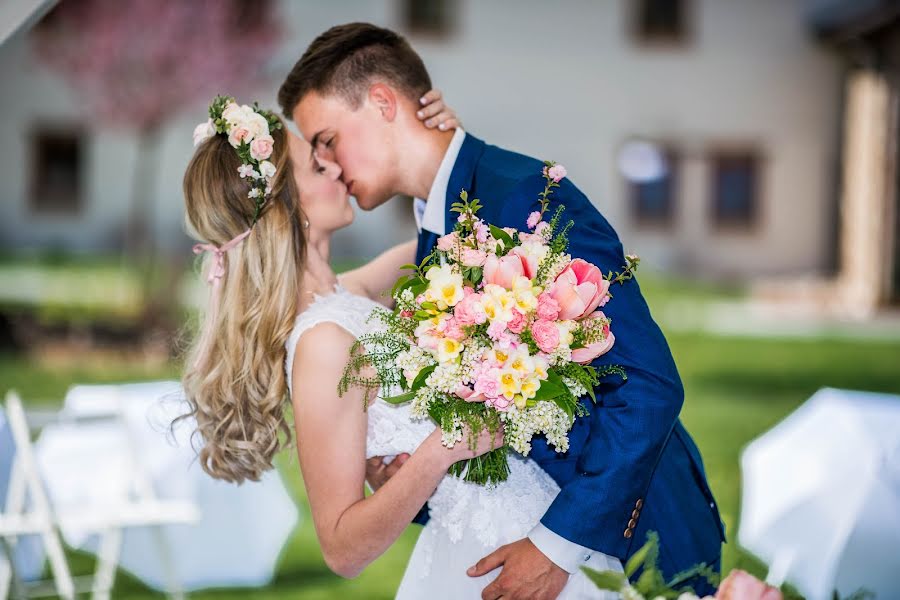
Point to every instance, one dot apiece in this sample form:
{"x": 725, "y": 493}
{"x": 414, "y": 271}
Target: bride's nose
{"x": 332, "y": 169}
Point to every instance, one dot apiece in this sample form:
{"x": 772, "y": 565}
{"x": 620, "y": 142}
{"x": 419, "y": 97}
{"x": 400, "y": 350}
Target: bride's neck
{"x": 318, "y": 276}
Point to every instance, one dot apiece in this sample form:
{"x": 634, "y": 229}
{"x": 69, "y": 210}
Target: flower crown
{"x": 248, "y": 130}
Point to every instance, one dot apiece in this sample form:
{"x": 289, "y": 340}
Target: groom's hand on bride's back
{"x": 527, "y": 573}
{"x": 435, "y": 114}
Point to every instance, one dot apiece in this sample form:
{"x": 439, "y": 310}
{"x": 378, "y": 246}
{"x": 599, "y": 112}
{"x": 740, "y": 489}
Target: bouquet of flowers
{"x": 495, "y": 328}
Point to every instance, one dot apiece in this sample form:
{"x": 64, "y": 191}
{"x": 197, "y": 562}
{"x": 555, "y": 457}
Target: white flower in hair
{"x": 246, "y": 171}
{"x": 256, "y": 124}
{"x": 204, "y": 131}
{"x": 254, "y": 193}
{"x": 267, "y": 169}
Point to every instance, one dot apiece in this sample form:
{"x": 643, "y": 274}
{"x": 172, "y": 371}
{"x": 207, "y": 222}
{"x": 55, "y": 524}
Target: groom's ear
{"x": 383, "y": 98}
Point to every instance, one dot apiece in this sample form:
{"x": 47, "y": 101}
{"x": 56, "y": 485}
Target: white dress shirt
{"x": 430, "y": 215}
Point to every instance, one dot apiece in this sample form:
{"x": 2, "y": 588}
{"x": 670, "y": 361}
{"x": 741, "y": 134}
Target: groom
{"x": 631, "y": 467}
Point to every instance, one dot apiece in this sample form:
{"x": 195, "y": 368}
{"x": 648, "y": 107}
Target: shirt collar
{"x": 431, "y": 213}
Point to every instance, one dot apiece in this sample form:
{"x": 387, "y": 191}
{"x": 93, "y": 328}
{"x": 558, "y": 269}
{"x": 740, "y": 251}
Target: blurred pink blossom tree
{"x": 138, "y": 63}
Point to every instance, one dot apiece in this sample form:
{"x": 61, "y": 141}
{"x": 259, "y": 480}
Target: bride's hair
{"x": 234, "y": 377}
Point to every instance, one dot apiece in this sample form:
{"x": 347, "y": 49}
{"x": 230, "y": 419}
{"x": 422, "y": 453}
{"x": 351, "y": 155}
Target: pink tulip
{"x": 502, "y": 271}
{"x": 529, "y": 263}
{"x": 589, "y": 353}
{"x": 579, "y": 289}
{"x": 740, "y": 585}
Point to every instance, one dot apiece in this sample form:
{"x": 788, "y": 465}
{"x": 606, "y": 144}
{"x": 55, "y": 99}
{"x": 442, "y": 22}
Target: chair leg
{"x": 8, "y": 576}
{"x": 107, "y": 561}
{"x": 173, "y": 581}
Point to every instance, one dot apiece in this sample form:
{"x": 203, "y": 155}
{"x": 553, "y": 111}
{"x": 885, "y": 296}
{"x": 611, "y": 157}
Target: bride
{"x": 280, "y": 326}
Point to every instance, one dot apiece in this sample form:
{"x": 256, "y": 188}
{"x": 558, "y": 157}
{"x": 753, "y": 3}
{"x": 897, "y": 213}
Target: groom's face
{"x": 356, "y": 139}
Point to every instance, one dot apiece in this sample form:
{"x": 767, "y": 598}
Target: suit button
{"x": 639, "y": 504}
{"x": 631, "y": 524}
{"x": 628, "y": 533}
{"x": 635, "y": 513}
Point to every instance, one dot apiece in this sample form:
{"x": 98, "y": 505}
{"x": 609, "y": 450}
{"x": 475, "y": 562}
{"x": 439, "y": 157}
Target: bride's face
{"x": 323, "y": 196}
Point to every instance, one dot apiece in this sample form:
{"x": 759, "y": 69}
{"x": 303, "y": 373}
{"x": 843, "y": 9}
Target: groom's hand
{"x": 378, "y": 472}
{"x": 527, "y": 574}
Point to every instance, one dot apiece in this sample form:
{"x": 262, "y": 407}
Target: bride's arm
{"x": 331, "y": 439}
{"x": 376, "y": 278}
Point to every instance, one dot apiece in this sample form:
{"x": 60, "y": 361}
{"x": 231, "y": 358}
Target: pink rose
{"x": 579, "y": 289}
{"x": 447, "y": 242}
{"x": 261, "y": 147}
{"x": 589, "y": 353}
{"x": 488, "y": 384}
{"x": 545, "y": 334}
{"x": 740, "y": 585}
{"x": 406, "y": 313}
{"x": 548, "y": 307}
{"x": 495, "y": 330}
{"x": 517, "y": 323}
{"x": 469, "y": 310}
{"x": 533, "y": 219}
{"x": 238, "y": 135}
{"x": 473, "y": 258}
{"x": 502, "y": 271}
{"x": 557, "y": 172}
{"x": 453, "y": 330}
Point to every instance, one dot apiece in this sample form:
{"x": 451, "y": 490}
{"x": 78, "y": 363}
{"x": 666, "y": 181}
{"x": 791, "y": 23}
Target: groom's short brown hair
{"x": 347, "y": 58}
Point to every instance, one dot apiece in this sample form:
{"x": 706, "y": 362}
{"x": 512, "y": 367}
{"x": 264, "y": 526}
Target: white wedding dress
{"x": 468, "y": 521}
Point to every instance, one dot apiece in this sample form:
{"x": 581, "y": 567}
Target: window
{"x": 57, "y": 176}
{"x": 428, "y": 17}
{"x": 652, "y": 183}
{"x": 661, "y": 21}
{"x": 735, "y": 188}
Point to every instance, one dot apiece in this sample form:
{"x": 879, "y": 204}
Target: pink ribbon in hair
{"x": 216, "y": 273}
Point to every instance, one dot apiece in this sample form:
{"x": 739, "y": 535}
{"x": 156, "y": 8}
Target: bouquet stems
{"x": 491, "y": 467}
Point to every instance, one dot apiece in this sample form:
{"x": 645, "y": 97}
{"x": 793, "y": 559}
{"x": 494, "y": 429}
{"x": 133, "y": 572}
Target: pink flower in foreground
{"x": 533, "y": 219}
{"x": 447, "y": 242}
{"x": 502, "y": 271}
{"x": 469, "y": 310}
{"x": 473, "y": 258}
{"x": 261, "y": 147}
{"x": 557, "y": 172}
{"x": 453, "y": 330}
{"x": 501, "y": 403}
{"x": 740, "y": 585}
{"x": 579, "y": 289}
{"x": 589, "y": 353}
{"x": 468, "y": 394}
{"x": 545, "y": 334}
{"x": 548, "y": 307}
{"x": 517, "y": 323}
{"x": 488, "y": 383}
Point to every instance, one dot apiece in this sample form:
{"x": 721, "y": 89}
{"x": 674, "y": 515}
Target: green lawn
{"x": 736, "y": 388}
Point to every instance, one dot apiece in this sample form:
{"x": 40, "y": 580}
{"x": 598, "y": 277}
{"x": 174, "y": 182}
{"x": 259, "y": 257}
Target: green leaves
{"x": 605, "y": 580}
{"x": 419, "y": 381}
{"x": 400, "y": 398}
{"x": 502, "y": 236}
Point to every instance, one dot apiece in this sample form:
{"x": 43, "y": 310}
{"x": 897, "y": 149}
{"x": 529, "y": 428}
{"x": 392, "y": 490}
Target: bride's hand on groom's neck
{"x": 435, "y": 114}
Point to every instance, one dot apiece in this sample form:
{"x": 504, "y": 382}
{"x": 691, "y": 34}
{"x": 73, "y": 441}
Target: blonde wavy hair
{"x": 234, "y": 377}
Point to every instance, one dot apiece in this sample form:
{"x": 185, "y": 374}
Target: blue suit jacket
{"x": 631, "y": 466}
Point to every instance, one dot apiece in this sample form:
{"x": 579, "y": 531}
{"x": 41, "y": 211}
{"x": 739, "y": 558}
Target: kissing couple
{"x": 264, "y": 204}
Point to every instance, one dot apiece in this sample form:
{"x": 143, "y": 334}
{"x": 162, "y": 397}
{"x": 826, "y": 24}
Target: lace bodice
{"x": 486, "y": 515}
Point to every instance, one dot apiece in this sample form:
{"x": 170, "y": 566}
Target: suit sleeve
{"x": 633, "y": 418}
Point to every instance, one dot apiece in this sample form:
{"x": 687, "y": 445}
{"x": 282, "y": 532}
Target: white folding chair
{"x": 140, "y": 508}
{"x": 16, "y": 520}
